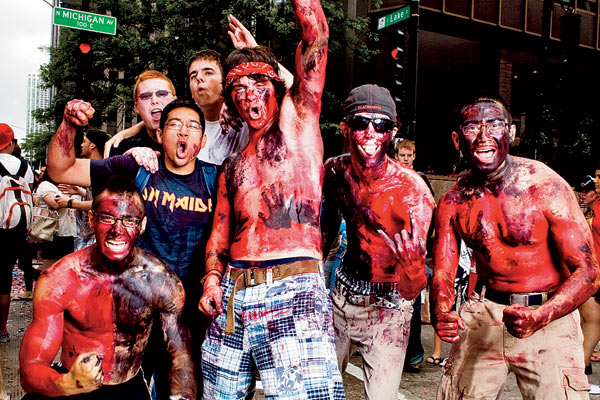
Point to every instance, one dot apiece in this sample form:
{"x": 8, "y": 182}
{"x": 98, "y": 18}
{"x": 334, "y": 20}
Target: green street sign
{"x": 85, "y": 20}
{"x": 395, "y": 17}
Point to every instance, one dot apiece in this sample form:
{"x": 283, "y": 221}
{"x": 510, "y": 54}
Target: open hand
{"x": 240, "y": 36}
{"x": 146, "y": 157}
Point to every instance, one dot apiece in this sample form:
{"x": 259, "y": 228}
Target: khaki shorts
{"x": 380, "y": 335}
{"x": 548, "y": 364}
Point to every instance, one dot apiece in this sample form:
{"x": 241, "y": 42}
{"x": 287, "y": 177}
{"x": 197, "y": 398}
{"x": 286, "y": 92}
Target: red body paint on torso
{"x": 372, "y": 205}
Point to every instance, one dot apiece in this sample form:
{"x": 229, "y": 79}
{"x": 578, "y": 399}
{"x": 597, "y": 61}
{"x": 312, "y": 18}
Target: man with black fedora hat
{"x": 388, "y": 210}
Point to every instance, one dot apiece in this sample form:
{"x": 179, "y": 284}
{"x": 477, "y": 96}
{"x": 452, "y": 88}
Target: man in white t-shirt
{"x": 13, "y": 240}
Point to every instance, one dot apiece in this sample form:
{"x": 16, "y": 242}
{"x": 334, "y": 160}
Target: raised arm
{"x": 574, "y": 246}
{"x": 445, "y": 265}
{"x": 177, "y": 342}
{"x": 62, "y": 165}
{"x": 311, "y": 54}
{"x": 217, "y": 251}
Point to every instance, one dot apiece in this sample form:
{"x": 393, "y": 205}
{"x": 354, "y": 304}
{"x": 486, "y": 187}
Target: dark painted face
{"x": 369, "y": 146}
{"x": 485, "y": 136}
{"x": 255, "y": 101}
{"x": 117, "y": 241}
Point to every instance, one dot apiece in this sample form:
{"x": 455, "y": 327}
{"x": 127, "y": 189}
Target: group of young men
{"x": 246, "y": 249}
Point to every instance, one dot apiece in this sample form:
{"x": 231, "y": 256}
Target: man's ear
{"x": 344, "y": 128}
{"x": 92, "y": 219}
{"x": 512, "y": 133}
{"x": 92, "y": 146}
{"x": 143, "y": 225}
{"x": 456, "y": 140}
{"x": 159, "y": 134}
{"x": 135, "y": 107}
{"x": 203, "y": 141}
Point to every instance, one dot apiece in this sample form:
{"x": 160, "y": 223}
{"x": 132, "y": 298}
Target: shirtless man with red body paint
{"x": 266, "y": 239}
{"x": 379, "y": 199}
{"x": 535, "y": 265}
{"x": 99, "y": 305}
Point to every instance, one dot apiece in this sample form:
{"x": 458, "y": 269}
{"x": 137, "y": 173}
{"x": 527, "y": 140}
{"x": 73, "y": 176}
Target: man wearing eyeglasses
{"x": 178, "y": 196}
{"x": 151, "y": 93}
{"x": 387, "y": 209}
{"x": 535, "y": 264}
{"x": 100, "y": 304}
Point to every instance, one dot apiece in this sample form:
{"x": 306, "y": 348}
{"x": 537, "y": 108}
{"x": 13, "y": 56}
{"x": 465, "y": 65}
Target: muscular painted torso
{"x": 518, "y": 227}
{"x": 274, "y": 188}
{"x": 109, "y": 314}
{"x": 372, "y": 205}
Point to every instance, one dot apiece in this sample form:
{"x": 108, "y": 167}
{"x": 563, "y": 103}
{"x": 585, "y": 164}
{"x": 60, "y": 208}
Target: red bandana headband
{"x": 251, "y": 68}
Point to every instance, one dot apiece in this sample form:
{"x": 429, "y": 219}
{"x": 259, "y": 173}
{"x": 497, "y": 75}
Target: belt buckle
{"x": 518, "y": 298}
{"x": 249, "y": 277}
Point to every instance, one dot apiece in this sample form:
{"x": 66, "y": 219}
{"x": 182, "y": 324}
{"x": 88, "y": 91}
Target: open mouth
{"x": 181, "y": 149}
{"x": 156, "y": 113}
{"x": 254, "y": 112}
{"x": 369, "y": 150}
{"x": 485, "y": 155}
{"x": 116, "y": 245}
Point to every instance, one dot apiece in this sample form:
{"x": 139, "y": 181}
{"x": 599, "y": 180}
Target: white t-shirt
{"x": 219, "y": 145}
{"x": 67, "y": 224}
{"x": 12, "y": 164}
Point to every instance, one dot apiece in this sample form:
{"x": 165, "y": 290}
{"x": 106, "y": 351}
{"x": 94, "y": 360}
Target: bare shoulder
{"x": 409, "y": 176}
{"x": 534, "y": 176}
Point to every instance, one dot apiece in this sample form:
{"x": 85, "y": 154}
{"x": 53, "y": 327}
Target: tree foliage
{"x": 163, "y": 34}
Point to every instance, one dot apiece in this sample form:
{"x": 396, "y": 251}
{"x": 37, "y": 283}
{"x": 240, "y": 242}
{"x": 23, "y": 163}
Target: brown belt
{"x": 248, "y": 277}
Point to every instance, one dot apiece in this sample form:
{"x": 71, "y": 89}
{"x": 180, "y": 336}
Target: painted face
{"x": 182, "y": 138}
{"x": 485, "y": 136}
{"x": 86, "y": 148}
{"x": 406, "y": 157}
{"x": 117, "y": 241}
{"x": 597, "y": 181}
{"x": 205, "y": 82}
{"x": 255, "y": 101}
{"x": 150, "y": 108}
{"x": 369, "y": 135}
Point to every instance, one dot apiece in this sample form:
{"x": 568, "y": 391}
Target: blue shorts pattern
{"x": 285, "y": 328}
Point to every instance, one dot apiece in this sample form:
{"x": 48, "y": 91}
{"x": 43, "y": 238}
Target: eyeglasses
{"x": 128, "y": 222}
{"x": 495, "y": 126}
{"x": 360, "y": 123}
{"x": 177, "y": 125}
{"x": 159, "y": 93}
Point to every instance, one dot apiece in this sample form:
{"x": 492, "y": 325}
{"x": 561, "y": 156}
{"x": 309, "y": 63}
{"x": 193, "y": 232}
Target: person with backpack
{"x": 16, "y": 180}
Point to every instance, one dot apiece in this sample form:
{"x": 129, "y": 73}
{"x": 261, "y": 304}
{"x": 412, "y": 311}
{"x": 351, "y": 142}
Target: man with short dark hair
{"x": 100, "y": 304}
{"x": 535, "y": 265}
{"x": 379, "y": 277}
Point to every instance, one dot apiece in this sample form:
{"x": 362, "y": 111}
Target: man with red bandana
{"x": 100, "y": 304}
{"x": 262, "y": 263}
{"x": 535, "y": 263}
{"x": 379, "y": 277}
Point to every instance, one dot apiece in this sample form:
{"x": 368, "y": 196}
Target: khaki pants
{"x": 380, "y": 335}
{"x": 548, "y": 364}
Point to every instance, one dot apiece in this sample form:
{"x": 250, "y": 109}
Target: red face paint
{"x": 116, "y": 242}
{"x": 367, "y": 146}
{"x": 488, "y": 148}
{"x": 255, "y": 101}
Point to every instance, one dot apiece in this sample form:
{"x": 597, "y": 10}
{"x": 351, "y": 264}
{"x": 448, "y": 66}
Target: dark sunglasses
{"x": 159, "y": 94}
{"x": 360, "y": 123}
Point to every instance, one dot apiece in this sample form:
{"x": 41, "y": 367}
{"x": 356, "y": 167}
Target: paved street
{"x": 422, "y": 385}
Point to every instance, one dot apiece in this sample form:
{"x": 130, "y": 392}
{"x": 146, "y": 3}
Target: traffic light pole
{"x": 82, "y": 86}
{"x": 412, "y": 70}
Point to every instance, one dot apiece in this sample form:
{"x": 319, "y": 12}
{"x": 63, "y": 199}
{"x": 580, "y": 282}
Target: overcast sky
{"x": 26, "y": 25}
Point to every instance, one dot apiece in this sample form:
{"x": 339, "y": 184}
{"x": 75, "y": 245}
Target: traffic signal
{"x": 85, "y": 48}
{"x": 399, "y": 54}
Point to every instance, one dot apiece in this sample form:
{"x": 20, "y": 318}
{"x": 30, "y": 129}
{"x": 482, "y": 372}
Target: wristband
{"x": 70, "y": 203}
{"x": 209, "y": 273}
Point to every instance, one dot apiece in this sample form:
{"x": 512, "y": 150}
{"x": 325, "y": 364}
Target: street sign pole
{"x": 413, "y": 68}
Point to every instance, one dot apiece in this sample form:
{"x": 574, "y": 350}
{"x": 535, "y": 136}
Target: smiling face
{"x": 181, "y": 145}
{"x": 255, "y": 101}
{"x": 488, "y": 148}
{"x": 205, "y": 82}
{"x": 368, "y": 146}
{"x": 151, "y": 108}
{"x": 117, "y": 241}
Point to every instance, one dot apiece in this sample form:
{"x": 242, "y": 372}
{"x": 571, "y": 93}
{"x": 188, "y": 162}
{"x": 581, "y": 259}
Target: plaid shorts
{"x": 285, "y": 328}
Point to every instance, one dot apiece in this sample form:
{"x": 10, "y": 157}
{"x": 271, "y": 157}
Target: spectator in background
{"x": 590, "y": 310}
{"x": 13, "y": 240}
